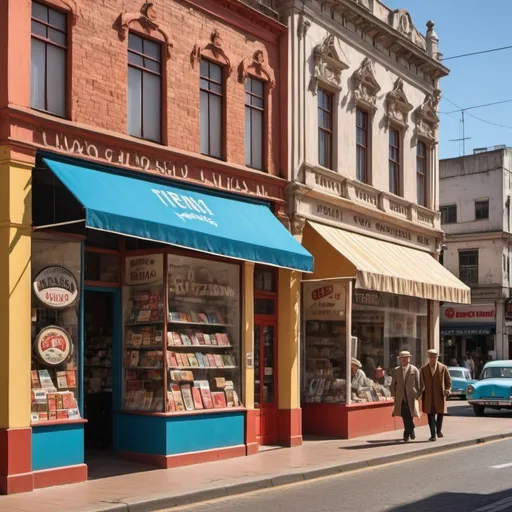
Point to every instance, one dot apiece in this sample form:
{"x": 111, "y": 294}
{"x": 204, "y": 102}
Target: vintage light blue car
{"x": 493, "y": 389}
{"x": 461, "y": 378}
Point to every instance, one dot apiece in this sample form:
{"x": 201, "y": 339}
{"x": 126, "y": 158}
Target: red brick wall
{"x": 98, "y": 58}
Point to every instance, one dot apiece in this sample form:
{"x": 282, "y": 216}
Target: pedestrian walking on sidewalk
{"x": 436, "y": 384}
{"x": 406, "y": 390}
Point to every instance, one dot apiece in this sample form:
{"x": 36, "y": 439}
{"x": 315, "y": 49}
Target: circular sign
{"x": 56, "y": 287}
{"x": 53, "y": 345}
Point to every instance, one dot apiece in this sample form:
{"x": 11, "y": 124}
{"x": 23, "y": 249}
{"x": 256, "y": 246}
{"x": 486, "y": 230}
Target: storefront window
{"x": 144, "y": 317}
{"x": 55, "y": 330}
{"x": 325, "y": 348}
{"x": 193, "y": 346}
{"x": 203, "y": 336}
{"x": 382, "y": 326}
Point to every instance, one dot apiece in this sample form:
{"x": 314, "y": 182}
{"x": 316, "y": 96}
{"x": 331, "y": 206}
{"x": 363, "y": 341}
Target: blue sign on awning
{"x": 151, "y": 210}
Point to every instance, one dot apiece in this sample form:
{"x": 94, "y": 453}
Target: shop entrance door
{"x": 101, "y": 361}
{"x": 265, "y": 378}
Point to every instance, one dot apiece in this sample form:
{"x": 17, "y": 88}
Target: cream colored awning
{"x": 380, "y": 266}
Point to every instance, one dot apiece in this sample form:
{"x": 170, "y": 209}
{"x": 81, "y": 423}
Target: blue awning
{"x": 151, "y": 210}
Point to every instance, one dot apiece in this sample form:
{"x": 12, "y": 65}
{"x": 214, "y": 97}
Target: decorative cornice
{"x": 398, "y": 107}
{"x": 147, "y": 20}
{"x": 215, "y": 46}
{"x": 401, "y": 21}
{"x": 260, "y": 67}
{"x": 365, "y": 85}
{"x": 426, "y": 117}
{"x": 328, "y": 65}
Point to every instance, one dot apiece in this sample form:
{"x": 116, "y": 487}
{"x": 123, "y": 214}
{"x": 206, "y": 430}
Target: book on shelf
{"x": 212, "y": 318}
{"x": 211, "y": 361}
{"x": 219, "y": 363}
{"x": 200, "y": 338}
{"x": 62, "y": 381}
{"x": 148, "y": 400}
{"x": 141, "y": 296}
{"x": 206, "y": 394}
{"x": 192, "y": 360}
{"x": 236, "y": 399}
{"x": 36, "y": 384}
{"x": 171, "y": 404}
{"x": 136, "y": 340}
{"x": 140, "y": 399}
{"x": 178, "y": 398}
{"x": 196, "y": 395}
{"x": 230, "y": 397}
{"x": 185, "y": 339}
{"x": 46, "y": 380}
{"x": 194, "y": 316}
{"x": 188, "y": 401}
{"x": 181, "y": 376}
{"x": 174, "y": 316}
{"x": 220, "y": 382}
{"x": 194, "y": 338}
{"x": 203, "y": 318}
{"x": 172, "y": 360}
{"x": 213, "y": 338}
{"x": 220, "y": 318}
{"x": 134, "y": 358}
{"x": 207, "y": 339}
{"x": 219, "y": 399}
{"x": 144, "y": 315}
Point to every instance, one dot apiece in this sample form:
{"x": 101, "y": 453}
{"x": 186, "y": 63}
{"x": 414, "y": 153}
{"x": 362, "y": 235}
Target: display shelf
{"x": 175, "y": 414}
{"x": 144, "y": 347}
{"x": 199, "y": 347}
{"x": 144, "y": 368}
{"x": 202, "y": 324}
{"x": 203, "y": 367}
{"x": 139, "y": 324}
{"x": 97, "y": 365}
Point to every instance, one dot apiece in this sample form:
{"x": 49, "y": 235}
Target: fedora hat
{"x": 404, "y": 353}
{"x": 356, "y": 362}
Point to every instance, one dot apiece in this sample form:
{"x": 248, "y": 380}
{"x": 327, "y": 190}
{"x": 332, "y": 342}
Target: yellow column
{"x": 288, "y": 341}
{"x": 15, "y": 289}
{"x": 247, "y": 353}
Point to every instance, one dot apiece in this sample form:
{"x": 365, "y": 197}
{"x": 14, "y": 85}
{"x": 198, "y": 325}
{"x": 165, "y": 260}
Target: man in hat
{"x": 406, "y": 390}
{"x": 358, "y": 376}
{"x": 436, "y": 384}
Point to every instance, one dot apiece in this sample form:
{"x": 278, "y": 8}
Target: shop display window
{"x": 55, "y": 332}
{"x": 382, "y": 325}
{"x": 203, "y": 335}
{"x": 144, "y": 326}
{"x": 325, "y": 342}
{"x": 181, "y": 334}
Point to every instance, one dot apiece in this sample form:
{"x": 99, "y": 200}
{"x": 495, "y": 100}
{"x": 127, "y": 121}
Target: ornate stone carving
{"x": 328, "y": 65}
{"x": 427, "y": 120}
{"x": 215, "y": 46}
{"x": 258, "y": 64}
{"x": 367, "y": 4}
{"x": 398, "y": 107}
{"x": 147, "y": 18}
{"x": 402, "y": 22}
{"x": 365, "y": 85}
{"x": 303, "y": 27}
{"x": 297, "y": 225}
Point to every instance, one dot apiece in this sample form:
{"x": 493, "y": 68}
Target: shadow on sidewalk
{"x": 108, "y": 464}
{"x": 378, "y": 444}
{"x": 460, "y": 502}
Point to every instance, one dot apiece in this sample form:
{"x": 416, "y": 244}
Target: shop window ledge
{"x": 182, "y": 413}
{"x": 52, "y": 423}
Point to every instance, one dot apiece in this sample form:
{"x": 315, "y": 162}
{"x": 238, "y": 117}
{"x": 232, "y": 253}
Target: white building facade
{"x": 475, "y": 212}
{"x": 364, "y": 195}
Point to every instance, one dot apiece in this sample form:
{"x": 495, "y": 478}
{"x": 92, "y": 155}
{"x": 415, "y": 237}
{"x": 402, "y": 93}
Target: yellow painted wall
{"x": 248, "y": 335}
{"x": 15, "y": 290}
{"x": 288, "y": 341}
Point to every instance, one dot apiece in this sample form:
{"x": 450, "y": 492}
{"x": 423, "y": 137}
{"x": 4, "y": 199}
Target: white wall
{"x": 353, "y": 53}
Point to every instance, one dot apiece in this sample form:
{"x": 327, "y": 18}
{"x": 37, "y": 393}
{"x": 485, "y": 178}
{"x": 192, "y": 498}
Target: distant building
{"x": 475, "y": 214}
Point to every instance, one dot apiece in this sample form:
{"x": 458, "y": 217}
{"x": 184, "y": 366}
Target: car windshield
{"x": 497, "y": 373}
{"x": 458, "y": 374}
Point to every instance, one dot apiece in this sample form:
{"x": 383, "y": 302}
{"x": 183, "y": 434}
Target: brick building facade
{"x": 189, "y": 94}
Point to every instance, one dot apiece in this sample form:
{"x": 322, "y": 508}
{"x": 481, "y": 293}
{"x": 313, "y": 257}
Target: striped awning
{"x": 381, "y": 266}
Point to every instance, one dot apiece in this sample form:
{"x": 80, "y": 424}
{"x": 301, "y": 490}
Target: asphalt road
{"x": 460, "y": 481}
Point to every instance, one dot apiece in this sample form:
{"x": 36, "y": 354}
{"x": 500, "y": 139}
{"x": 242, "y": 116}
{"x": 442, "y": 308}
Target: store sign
{"x": 53, "y": 345}
{"x": 56, "y": 287}
{"x": 175, "y": 169}
{"x": 325, "y": 300}
{"x": 147, "y": 269}
{"x": 185, "y": 206}
{"x": 346, "y": 218}
{"x": 364, "y": 298}
{"x": 468, "y": 315}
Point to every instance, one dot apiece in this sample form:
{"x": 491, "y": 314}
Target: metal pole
{"x": 348, "y": 340}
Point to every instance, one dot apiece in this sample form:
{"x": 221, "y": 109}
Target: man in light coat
{"x": 406, "y": 390}
{"x": 436, "y": 384}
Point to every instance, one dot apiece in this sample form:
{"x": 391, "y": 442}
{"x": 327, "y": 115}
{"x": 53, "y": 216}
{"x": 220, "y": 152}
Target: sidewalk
{"x": 152, "y": 490}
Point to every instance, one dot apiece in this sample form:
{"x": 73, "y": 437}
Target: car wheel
{"x": 478, "y": 410}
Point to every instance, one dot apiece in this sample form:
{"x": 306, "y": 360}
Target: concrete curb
{"x": 166, "y": 501}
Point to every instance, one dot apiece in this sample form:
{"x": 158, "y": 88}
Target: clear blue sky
{"x": 465, "y": 26}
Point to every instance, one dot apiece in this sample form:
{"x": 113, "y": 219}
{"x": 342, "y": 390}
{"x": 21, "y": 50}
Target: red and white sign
{"x": 473, "y": 314}
{"x": 53, "y": 345}
{"x": 325, "y": 300}
{"x": 56, "y": 287}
